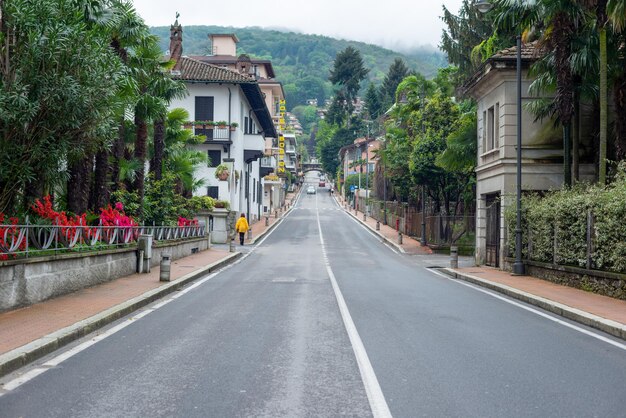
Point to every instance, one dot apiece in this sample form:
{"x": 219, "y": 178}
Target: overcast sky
{"x": 395, "y": 24}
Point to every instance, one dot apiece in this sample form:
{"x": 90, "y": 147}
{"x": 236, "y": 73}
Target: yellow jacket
{"x": 242, "y": 225}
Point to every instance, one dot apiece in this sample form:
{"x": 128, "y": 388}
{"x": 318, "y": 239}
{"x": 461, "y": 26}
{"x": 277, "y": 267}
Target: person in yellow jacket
{"x": 242, "y": 227}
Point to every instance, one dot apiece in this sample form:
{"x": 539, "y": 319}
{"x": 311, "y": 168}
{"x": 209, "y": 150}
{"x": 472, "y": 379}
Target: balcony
{"x": 213, "y": 133}
{"x": 268, "y": 162}
{"x": 290, "y": 149}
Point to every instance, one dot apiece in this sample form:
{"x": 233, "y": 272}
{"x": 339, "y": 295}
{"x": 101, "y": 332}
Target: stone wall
{"x": 25, "y": 282}
{"x": 596, "y": 281}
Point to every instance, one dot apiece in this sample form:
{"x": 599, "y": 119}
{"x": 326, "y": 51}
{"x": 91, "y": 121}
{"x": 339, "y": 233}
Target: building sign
{"x": 281, "y": 141}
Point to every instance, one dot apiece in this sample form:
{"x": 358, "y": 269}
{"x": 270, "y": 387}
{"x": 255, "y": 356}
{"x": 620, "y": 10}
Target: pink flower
{"x": 119, "y": 206}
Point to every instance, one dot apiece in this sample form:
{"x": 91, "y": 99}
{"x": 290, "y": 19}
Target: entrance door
{"x": 493, "y": 230}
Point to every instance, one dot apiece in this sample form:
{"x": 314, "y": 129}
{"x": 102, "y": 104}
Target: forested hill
{"x": 302, "y": 62}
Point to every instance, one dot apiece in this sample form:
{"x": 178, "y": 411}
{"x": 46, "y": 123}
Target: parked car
{"x": 322, "y": 184}
{"x": 310, "y": 190}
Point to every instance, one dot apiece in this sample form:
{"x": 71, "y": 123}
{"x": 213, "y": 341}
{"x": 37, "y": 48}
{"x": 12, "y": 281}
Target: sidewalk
{"x": 29, "y": 333}
{"x": 386, "y": 232}
{"x": 601, "y": 312}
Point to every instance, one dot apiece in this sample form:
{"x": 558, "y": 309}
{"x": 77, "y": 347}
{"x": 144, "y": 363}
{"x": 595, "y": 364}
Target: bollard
{"x": 454, "y": 257}
{"x": 249, "y": 234}
{"x": 140, "y": 262}
{"x": 231, "y": 245}
{"x": 267, "y": 221}
{"x": 276, "y": 213}
{"x": 166, "y": 264}
{"x": 364, "y": 217}
{"x": 400, "y": 238}
{"x": 378, "y": 225}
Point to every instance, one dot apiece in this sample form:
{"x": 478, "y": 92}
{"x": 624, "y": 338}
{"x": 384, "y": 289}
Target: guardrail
{"x": 19, "y": 241}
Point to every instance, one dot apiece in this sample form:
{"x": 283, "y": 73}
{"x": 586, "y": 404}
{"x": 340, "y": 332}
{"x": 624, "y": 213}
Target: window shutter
{"x": 204, "y": 111}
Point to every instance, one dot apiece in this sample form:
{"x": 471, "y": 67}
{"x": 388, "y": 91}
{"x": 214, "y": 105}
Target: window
{"x": 491, "y": 128}
{"x": 204, "y": 111}
{"x": 246, "y": 129}
{"x": 213, "y": 191}
{"x": 490, "y": 123}
{"x": 215, "y": 158}
{"x": 254, "y": 190}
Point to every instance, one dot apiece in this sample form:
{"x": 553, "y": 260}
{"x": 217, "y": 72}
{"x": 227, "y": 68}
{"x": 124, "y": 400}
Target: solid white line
{"x": 535, "y": 311}
{"x": 31, "y": 374}
{"x": 11, "y": 385}
{"x": 377, "y": 401}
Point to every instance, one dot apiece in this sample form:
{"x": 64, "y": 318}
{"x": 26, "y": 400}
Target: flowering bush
{"x": 187, "y": 222}
{"x": 7, "y": 234}
{"x": 110, "y": 216}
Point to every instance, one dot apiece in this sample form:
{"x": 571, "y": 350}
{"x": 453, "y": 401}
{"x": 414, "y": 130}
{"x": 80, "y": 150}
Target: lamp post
{"x": 484, "y": 6}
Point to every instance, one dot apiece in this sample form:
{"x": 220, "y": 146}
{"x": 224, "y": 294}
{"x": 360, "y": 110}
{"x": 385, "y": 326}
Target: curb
{"x": 30, "y": 352}
{"x": 611, "y": 327}
{"x": 379, "y": 235}
{"x": 278, "y": 221}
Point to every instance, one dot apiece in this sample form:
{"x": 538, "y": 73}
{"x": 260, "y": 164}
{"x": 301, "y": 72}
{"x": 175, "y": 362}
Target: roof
{"x": 229, "y": 59}
{"x": 193, "y": 71}
{"x": 505, "y": 59}
{"x": 356, "y": 144}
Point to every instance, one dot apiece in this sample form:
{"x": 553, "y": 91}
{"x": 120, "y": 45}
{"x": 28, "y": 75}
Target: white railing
{"x": 18, "y": 241}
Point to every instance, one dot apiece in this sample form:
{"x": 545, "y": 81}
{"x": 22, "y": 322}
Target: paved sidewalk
{"x": 597, "y": 311}
{"x": 387, "y": 232}
{"x": 34, "y": 331}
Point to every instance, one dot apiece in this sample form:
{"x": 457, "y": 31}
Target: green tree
{"x": 58, "y": 85}
{"x": 397, "y": 72}
{"x": 347, "y": 74}
{"x": 372, "y": 102}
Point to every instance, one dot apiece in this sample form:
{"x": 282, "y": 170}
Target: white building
{"x": 221, "y": 94}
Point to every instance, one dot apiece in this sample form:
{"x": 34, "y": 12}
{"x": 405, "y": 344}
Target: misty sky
{"x": 396, "y": 24}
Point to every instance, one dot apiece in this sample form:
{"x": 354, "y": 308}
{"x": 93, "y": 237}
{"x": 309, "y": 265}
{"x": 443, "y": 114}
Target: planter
{"x": 223, "y": 176}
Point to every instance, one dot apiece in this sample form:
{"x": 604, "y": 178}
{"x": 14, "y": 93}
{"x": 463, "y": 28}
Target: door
{"x": 493, "y": 230}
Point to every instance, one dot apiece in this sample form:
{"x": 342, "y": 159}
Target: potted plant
{"x": 221, "y": 172}
{"x": 221, "y": 124}
{"x": 233, "y": 126}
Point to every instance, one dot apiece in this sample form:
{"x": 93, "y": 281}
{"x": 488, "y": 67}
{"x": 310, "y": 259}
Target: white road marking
{"x": 18, "y": 381}
{"x": 31, "y": 374}
{"x": 535, "y": 311}
{"x": 377, "y": 401}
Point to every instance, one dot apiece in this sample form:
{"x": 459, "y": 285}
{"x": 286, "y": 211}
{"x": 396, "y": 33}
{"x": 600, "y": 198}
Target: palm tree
{"x": 555, "y": 22}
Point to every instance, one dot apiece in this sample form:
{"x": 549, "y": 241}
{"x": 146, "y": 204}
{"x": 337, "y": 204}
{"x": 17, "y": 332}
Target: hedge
{"x": 554, "y": 226}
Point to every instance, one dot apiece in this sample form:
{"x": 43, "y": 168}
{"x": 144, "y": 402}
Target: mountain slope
{"x": 302, "y": 62}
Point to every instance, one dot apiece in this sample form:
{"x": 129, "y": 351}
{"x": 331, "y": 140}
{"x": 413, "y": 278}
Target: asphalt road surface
{"x": 322, "y": 319}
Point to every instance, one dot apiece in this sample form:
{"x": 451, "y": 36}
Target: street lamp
{"x": 484, "y": 6}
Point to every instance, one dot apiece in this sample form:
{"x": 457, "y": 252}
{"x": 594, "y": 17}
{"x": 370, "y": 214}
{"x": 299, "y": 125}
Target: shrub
{"x": 563, "y": 215}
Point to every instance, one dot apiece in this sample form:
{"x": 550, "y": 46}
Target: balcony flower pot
{"x": 221, "y": 124}
{"x": 222, "y": 173}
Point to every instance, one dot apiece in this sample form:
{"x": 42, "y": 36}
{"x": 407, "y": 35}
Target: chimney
{"x": 176, "y": 43}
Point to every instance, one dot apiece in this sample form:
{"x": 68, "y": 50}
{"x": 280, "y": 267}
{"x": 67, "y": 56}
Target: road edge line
{"x": 28, "y": 353}
{"x": 613, "y": 328}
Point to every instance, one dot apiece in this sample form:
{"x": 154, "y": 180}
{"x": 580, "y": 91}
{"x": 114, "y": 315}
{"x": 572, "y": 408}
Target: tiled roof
{"x": 194, "y": 70}
{"x": 505, "y": 59}
{"x": 530, "y": 51}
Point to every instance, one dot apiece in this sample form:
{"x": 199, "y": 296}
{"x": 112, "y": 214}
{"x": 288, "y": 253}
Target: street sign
{"x": 353, "y": 188}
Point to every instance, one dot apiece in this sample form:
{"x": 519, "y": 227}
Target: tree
{"x": 372, "y": 102}
{"x": 347, "y": 73}
{"x": 59, "y": 81}
{"x": 556, "y": 23}
{"x": 397, "y": 72}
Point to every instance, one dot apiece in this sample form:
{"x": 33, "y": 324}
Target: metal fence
{"x": 441, "y": 230}
{"x": 31, "y": 240}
